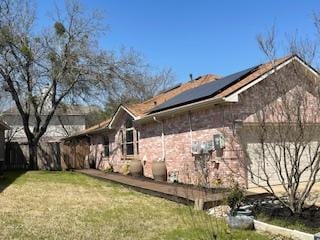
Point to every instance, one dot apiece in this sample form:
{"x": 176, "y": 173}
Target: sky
{"x": 198, "y": 36}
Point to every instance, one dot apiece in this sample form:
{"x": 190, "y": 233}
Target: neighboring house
{"x": 171, "y": 125}
{"x": 67, "y": 120}
{"x": 3, "y": 127}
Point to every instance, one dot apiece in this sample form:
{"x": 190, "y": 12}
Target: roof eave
{"x": 87, "y": 134}
{"x": 181, "y": 109}
{"x": 235, "y": 95}
{"x": 115, "y": 116}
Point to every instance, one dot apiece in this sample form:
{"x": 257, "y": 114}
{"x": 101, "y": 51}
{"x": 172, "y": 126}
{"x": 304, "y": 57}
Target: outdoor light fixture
{"x": 237, "y": 124}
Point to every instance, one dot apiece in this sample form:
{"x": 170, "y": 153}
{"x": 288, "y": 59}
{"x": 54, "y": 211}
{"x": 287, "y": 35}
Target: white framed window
{"x": 129, "y": 139}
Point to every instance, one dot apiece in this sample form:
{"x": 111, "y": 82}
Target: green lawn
{"x": 67, "y": 205}
{"x": 306, "y": 224}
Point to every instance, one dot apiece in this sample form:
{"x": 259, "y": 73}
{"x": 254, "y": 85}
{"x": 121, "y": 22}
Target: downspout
{"x": 162, "y": 138}
{"x": 190, "y": 129}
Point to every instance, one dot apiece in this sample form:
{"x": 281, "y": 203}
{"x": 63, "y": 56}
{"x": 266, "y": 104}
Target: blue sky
{"x": 198, "y": 37}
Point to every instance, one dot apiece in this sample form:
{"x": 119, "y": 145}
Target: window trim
{"x": 123, "y": 140}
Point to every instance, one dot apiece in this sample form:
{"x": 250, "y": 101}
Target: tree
{"x": 285, "y": 127}
{"x": 5, "y": 101}
{"x": 61, "y": 63}
{"x": 149, "y": 85}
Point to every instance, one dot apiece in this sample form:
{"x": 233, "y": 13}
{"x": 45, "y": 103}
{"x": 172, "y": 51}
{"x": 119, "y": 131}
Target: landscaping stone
{"x": 240, "y": 222}
{"x": 219, "y": 211}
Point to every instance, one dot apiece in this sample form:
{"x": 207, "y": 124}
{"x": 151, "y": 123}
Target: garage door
{"x": 262, "y": 168}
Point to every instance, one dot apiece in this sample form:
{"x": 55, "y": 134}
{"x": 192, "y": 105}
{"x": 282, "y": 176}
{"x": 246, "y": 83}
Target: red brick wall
{"x": 178, "y": 154}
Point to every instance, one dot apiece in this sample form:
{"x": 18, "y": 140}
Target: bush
{"x": 235, "y": 197}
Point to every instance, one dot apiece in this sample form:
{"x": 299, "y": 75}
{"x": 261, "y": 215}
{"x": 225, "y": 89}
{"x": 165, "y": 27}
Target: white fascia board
{"x": 235, "y": 96}
{"x": 114, "y": 117}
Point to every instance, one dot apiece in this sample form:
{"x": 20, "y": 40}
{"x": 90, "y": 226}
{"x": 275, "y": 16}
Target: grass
{"x": 307, "y": 225}
{"x": 68, "y": 205}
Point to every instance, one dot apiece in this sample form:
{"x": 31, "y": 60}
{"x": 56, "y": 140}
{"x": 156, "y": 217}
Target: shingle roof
{"x": 94, "y": 129}
{"x": 262, "y": 69}
{"x": 143, "y": 108}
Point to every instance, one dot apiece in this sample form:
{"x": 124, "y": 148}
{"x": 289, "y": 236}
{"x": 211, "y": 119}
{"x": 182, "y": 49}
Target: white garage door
{"x": 262, "y": 168}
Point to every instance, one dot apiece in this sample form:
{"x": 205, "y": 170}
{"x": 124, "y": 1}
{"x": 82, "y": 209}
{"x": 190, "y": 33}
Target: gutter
{"x": 181, "y": 109}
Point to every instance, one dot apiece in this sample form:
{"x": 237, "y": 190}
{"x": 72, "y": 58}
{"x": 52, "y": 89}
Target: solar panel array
{"x": 204, "y": 91}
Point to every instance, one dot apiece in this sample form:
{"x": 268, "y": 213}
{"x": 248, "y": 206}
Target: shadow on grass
{"x": 9, "y": 177}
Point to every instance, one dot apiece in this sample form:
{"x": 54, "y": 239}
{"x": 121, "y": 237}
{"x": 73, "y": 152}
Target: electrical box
{"x": 201, "y": 147}
{"x": 195, "y": 148}
{"x": 204, "y": 148}
{"x": 218, "y": 141}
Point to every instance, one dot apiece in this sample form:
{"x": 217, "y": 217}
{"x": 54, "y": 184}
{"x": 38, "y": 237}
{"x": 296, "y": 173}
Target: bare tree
{"x": 5, "y": 101}
{"x": 280, "y": 139}
{"x": 62, "y": 63}
{"x": 149, "y": 84}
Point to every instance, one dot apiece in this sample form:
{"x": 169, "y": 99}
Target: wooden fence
{"x": 75, "y": 153}
{"x": 51, "y": 155}
{"x": 16, "y": 156}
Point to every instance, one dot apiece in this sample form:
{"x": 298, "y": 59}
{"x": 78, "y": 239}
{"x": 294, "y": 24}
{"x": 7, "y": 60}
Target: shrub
{"x": 235, "y": 197}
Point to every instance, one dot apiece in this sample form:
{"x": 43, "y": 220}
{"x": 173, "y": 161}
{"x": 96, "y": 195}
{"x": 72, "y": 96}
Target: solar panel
{"x": 204, "y": 91}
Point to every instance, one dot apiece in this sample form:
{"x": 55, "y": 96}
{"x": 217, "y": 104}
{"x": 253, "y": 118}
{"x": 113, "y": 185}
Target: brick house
{"x": 172, "y": 125}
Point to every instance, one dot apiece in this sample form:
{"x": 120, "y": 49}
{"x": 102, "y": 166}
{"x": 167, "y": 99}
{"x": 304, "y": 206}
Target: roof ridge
{"x": 182, "y": 85}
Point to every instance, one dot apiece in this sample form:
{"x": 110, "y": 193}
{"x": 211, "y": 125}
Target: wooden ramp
{"x": 181, "y": 193}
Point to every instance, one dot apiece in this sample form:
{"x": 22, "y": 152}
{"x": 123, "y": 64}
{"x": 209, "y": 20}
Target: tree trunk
{"x": 33, "y": 150}
{"x": 296, "y": 207}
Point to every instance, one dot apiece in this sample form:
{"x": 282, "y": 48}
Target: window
{"x": 129, "y": 139}
{"x": 106, "y": 146}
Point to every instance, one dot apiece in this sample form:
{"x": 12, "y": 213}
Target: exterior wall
{"x": 179, "y": 133}
{"x": 115, "y": 159}
{"x": 178, "y": 138}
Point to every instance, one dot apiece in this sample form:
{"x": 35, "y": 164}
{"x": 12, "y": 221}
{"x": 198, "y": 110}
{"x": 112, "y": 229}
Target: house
{"x": 3, "y": 127}
{"x": 68, "y": 119}
{"x": 178, "y": 124}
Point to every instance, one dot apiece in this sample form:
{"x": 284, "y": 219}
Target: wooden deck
{"x": 186, "y": 194}
{"x": 182, "y": 193}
